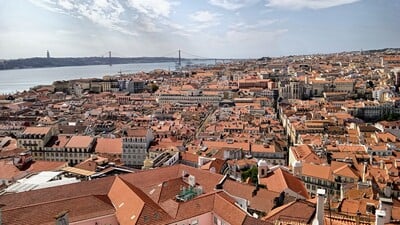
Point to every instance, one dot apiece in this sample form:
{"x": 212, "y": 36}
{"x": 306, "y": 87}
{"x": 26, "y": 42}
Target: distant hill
{"x": 57, "y": 62}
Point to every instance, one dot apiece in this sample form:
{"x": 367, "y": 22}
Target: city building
{"x": 135, "y": 146}
{"x": 34, "y": 139}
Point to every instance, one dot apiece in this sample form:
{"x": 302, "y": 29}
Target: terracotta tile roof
{"x": 263, "y": 148}
{"x": 133, "y": 198}
{"x": 225, "y": 208}
{"x": 69, "y": 129}
{"x": 36, "y": 197}
{"x": 170, "y": 188}
{"x": 7, "y": 144}
{"x": 195, "y": 207}
{"x": 9, "y": 172}
{"x": 279, "y": 180}
{"x": 87, "y": 165}
{"x": 153, "y": 191}
{"x": 351, "y": 206}
{"x": 134, "y": 206}
{"x": 80, "y": 208}
{"x": 190, "y": 157}
{"x": 216, "y": 164}
{"x": 253, "y": 221}
{"x": 37, "y": 130}
{"x": 58, "y": 141}
{"x": 386, "y": 137}
{"x": 263, "y": 201}
{"x": 79, "y": 142}
{"x": 381, "y": 147}
{"x": 11, "y": 153}
{"x": 221, "y": 144}
{"x": 344, "y": 169}
{"x": 39, "y": 166}
{"x": 137, "y": 132}
{"x": 396, "y": 213}
{"x": 300, "y": 211}
{"x": 305, "y": 153}
{"x": 108, "y": 145}
{"x": 351, "y": 148}
{"x": 171, "y": 207}
{"x": 149, "y": 178}
{"x": 317, "y": 171}
{"x": 354, "y": 193}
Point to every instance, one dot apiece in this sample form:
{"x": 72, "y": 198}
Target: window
{"x": 215, "y": 220}
{"x": 195, "y": 222}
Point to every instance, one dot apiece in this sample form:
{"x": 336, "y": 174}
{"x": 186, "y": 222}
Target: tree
{"x": 252, "y": 173}
{"x": 154, "y": 88}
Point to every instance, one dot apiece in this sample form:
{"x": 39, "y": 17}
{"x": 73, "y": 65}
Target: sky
{"x": 200, "y": 28}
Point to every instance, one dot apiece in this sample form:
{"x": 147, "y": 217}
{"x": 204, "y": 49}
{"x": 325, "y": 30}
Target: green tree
{"x": 154, "y": 88}
{"x": 252, "y": 173}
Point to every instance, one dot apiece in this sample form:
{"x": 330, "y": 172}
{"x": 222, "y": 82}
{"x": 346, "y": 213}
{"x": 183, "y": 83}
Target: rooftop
{"x": 79, "y": 142}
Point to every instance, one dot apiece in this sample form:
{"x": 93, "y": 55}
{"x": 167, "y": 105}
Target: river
{"x": 12, "y": 81}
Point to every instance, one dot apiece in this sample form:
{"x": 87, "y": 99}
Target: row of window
{"x": 134, "y": 151}
{"x": 133, "y": 139}
{"x": 61, "y": 154}
{"x": 77, "y": 150}
{"x": 316, "y": 181}
{"x": 28, "y": 142}
{"x": 134, "y": 157}
{"x": 135, "y": 145}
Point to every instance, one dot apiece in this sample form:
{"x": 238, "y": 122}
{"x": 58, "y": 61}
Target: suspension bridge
{"x": 176, "y": 55}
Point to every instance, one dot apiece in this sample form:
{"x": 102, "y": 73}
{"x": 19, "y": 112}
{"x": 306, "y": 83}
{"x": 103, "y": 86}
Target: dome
{"x": 262, "y": 163}
{"x": 297, "y": 164}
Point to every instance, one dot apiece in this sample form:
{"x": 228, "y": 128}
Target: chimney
{"x": 62, "y": 218}
{"x": 358, "y": 217}
{"x": 385, "y": 205}
{"x": 297, "y": 168}
{"x": 250, "y": 148}
{"x": 364, "y": 179}
{"x": 320, "y": 206}
{"x": 381, "y": 164}
{"x": 380, "y": 217}
{"x": 342, "y": 192}
{"x": 220, "y": 184}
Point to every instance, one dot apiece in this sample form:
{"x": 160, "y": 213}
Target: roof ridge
{"x": 143, "y": 196}
{"x": 55, "y": 201}
{"x": 147, "y": 201}
{"x": 340, "y": 168}
{"x": 284, "y": 175}
{"x": 278, "y": 209}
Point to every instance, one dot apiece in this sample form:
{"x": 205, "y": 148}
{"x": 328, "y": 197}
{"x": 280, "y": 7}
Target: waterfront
{"x": 12, "y": 81}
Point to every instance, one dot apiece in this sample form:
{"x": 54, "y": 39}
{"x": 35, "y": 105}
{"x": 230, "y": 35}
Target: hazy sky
{"x": 207, "y": 28}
